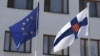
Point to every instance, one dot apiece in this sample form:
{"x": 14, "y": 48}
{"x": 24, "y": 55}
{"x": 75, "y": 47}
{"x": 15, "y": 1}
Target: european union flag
{"x": 25, "y": 29}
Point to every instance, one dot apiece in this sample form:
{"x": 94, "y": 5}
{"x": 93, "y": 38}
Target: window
{"x": 94, "y": 7}
{"x": 10, "y": 46}
{"x": 20, "y": 4}
{"x": 94, "y": 47}
{"x": 48, "y": 46}
{"x": 57, "y": 6}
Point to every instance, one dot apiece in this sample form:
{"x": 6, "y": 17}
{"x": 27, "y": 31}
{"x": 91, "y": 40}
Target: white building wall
{"x": 8, "y": 17}
{"x": 49, "y": 23}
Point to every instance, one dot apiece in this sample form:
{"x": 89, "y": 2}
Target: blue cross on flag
{"x": 77, "y": 27}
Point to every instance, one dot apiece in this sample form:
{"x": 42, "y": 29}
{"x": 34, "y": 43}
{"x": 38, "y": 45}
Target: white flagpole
{"x": 36, "y": 40}
{"x": 89, "y": 38}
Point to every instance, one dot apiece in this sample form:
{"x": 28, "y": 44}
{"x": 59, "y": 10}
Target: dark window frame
{"x": 10, "y": 43}
{"x": 10, "y": 4}
{"x": 85, "y": 44}
{"x": 47, "y": 3}
{"x": 83, "y": 5}
{"x": 48, "y": 53}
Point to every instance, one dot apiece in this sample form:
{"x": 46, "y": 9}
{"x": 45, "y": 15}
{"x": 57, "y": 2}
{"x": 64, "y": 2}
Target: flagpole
{"x": 89, "y": 38}
{"x": 36, "y": 31}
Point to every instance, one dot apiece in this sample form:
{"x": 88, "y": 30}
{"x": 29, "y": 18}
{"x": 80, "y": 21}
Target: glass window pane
{"x": 30, "y": 4}
{"x": 82, "y": 47}
{"x": 7, "y": 39}
{"x": 66, "y": 51}
{"x": 94, "y": 48}
{"x": 51, "y": 45}
{"x": 55, "y": 5}
{"x": 20, "y": 4}
{"x": 92, "y": 9}
{"x": 45, "y": 47}
{"x": 98, "y": 8}
{"x": 48, "y": 46}
{"x": 21, "y": 49}
{"x": 10, "y": 3}
{"x": 13, "y": 46}
{"x": 65, "y": 6}
{"x": 28, "y": 46}
{"x": 86, "y": 48}
{"x": 46, "y": 5}
{"x": 99, "y": 48}
{"x": 59, "y": 53}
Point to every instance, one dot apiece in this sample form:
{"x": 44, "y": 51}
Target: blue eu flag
{"x": 26, "y": 28}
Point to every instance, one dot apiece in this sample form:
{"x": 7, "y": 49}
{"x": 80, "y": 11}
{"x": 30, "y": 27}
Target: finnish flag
{"x": 77, "y": 27}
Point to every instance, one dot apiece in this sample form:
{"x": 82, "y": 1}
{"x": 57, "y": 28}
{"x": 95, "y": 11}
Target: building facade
{"x": 53, "y": 15}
